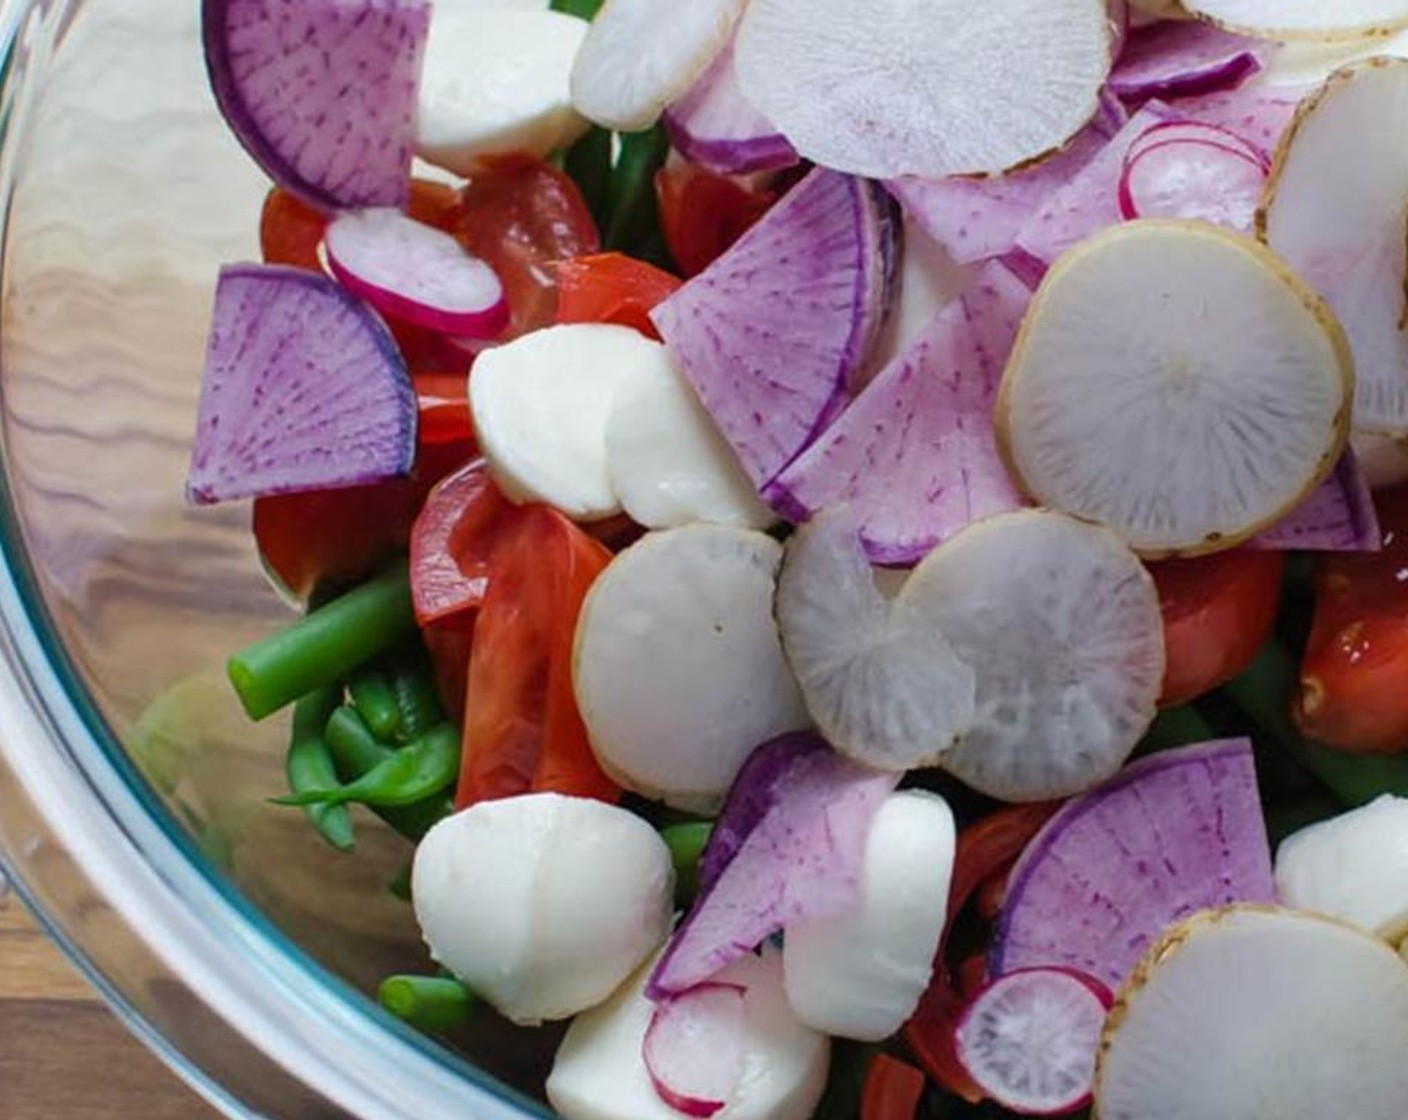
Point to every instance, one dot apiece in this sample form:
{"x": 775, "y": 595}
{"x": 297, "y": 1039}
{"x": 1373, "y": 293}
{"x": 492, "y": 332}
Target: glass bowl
{"x": 133, "y": 813}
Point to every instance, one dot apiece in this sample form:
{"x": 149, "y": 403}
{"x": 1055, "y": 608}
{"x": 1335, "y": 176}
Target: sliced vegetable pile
{"x": 807, "y": 520}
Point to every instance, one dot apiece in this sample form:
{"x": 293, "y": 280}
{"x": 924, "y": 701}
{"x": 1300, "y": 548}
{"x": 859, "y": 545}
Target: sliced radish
{"x": 414, "y": 272}
{"x": 1029, "y": 1039}
{"x": 1061, "y": 624}
{"x": 1177, "y": 383}
{"x": 771, "y": 333}
{"x": 1185, "y": 130}
{"x": 897, "y": 92}
{"x": 1168, "y": 60}
{"x": 1173, "y": 834}
{"x": 496, "y": 81}
{"x": 1304, "y": 19}
{"x": 1383, "y": 462}
{"x": 304, "y": 389}
{"x": 1304, "y": 65}
{"x": 1192, "y": 179}
{"x": 1251, "y": 1012}
{"x": 640, "y": 55}
{"x": 1338, "y": 517}
{"x": 883, "y": 686}
{"x": 1259, "y": 116}
{"x": 280, "y": 71}
{"x": 693, "y": 1048}
{"x": 915, "y": 455}
{"x": 1334, "y": 210}
{"x": 541, "y": 405}
{"x": 678, "y": 667}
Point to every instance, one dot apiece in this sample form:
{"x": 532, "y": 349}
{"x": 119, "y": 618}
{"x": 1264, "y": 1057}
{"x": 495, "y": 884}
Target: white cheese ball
{"x": 543, "y": 904}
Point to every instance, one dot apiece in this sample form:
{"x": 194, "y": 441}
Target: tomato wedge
{"x": 290, "y": 231}
{"x": 452, "y": 542}
{"x": 1218, "y": 611}
{"x": 612, "y": 288}
{"x": 702, "y": 213}
{"x": 442, "y": 400}
{"x": 893, "y": 1090}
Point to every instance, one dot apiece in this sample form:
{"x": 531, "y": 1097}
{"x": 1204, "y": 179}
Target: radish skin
{"x": 1304, "y": 19}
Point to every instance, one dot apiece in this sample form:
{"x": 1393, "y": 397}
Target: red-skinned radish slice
{"x": 1192, "y": 179}
{"x": 1181, "y": 130}
{"x": 1334, "y": 211}
{"x": 915, "y": 455}
{"x": 1326, "y": 1004}
{"x": 1303, "y": 19}
{"x": 890, "y": 90}
{"x": 1173, "y": 834}
{"x": 1061, "y": 625}
{"x": 1030, "y": 1038}
{"x": 411, "y": 271}
{"x": 1338, "y": 517}
{"x": 280, "y": 76}
{"x": 771, "y": 333}
{"x": 1259, "y": 116}
{"x": 1224, "y": 387}
{"x": 715, "y": 126}
{"x": 296, "y": 366}
{"x": 1168, "y": 60}
{"x": 693, "y": 1048}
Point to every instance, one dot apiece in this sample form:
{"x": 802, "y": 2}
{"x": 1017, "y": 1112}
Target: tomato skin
{"x": 1218, "y": 612}
{"x": 452, "y": 543}
{"x": 893, "y": 1090}
{"x": 290, "y": 231}
{"x": 703, "y": 213}
{"x": 612, "y": 288}
{"x": 442, "y": 400}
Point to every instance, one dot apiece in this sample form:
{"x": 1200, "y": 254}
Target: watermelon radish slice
{"x": 772, "y": 332}
{"x": 1192, "y": 179}
{"x": 915, "y": 455}
{"x": 304, "y": 389}
{"x": 1175, "y": 833}
{"x": 1338, "y": 517}
{"x": 693, "y": 1048}
{"x": 321, "y": 93}
{"x": 1259, "y": 116}
{"x": 1029, "y": 1039}
{"x": 1180, "y": 59}
{"x": 414, "y": 272}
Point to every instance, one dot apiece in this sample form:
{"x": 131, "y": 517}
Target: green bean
{"x": 325, "y": 646}
{"x": 422, "y": 768}
{"x": 429, "y": 1003}
{"x": 417, "y": 698}
{"x": 686, "y": 843}
{"x": 632, "y": 194}
{"x": 355, "y": 750}
{"x": 375, "y": 700}
{"x": 585, "y": 9}
{"x": 400, "y": 885}
{"x": 310, "y": 767}
{"x": 1176, "y": 727}
{"x": 588, "y": 163}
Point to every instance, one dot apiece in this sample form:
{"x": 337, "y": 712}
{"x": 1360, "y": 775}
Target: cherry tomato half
{"x": 612, "y": 288}
{"x": 703, "y": 213}
{"x": 893, "y": 1090}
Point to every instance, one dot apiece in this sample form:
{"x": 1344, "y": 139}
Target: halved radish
{"x": 1029, "y": 1039}
{"x": 894, "y": 91}
{"x": 1334, "y": 210}
{"x": 1304, "y": 19}
{"x": 1061, "y": 625}
{"x": 1192, "y": 179}
{"x": 678, "y": 666}
{"x": 1178, "y": 383}
{"x": 1176, "y": 59}
{"x": 693, "y": 1048}
{"x": 1259, "y": 1012}
{"x": 640, "y": 55}
{"x": 280, "y": 74}
{"x": 414, "y": 272}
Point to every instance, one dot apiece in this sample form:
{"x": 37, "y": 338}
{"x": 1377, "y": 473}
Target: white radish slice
{"x": 889, "y": 89}
{"x": 860, "y": 974}
{"x": 1192, "y": 179}
{"x": 678, "y": 666}
{"x": 1334, "y": 210}
{"x": 640, "y": 55}
{"x": 1178, "y": 383}
{"x": 411, "y": 271}
{"x": 496, "y": 81}
{"x": 1300, "y": 66}
{"x": 1029, "y": 1039}
{"x": 670, "y": 465}
{"x": 884, "y": 687}
{"x": 541, "y": 404}
{"x": 1304, "y": 19}
{"x": 693, "y": 1048}
{"x": 1258, "y": 1012}
{"x": 1061, "y": 624}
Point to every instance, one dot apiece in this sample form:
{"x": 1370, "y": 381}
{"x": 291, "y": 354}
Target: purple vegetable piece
{"x": 304, "y": 390}
{"x": 790, "y": 854}
{"x": 1259, "y": 116}
{"x": 1193, "y": 179}
{"x": 1338, "y": 517}
{"x": 322, "y": 93}
{"x": 1173, "y": 834}
{"x": 772, "y": 333}
{"x": 1181, "y": 58}
{"x": 915, "y": 456}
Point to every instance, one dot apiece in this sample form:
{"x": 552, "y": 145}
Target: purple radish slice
{"x": 1192, "y": 179}
{"x": 693, "y": 1048}
{"x": 1181, "y": 59}
{"x": 1338, "y": 517}
{"x": 915, "y": 455}
{"x": 1175, "y": 130}
{"x": 799, "y": 858}
{"x": 772, "y": 332}
{"x": 1259, "y": 116}
{"x": 322, "y": 93}
{"x": 1173, "y": 834}
{"x": 414, "y": 272}
{"x": 304, "y": 389}
{"x": 1030, "y": 1038}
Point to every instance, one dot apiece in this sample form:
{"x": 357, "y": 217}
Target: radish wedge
{"x": 280, "y": 74}
{"x": 414, "y": 272}
{"x": 893, "y": 90}
{"x": 1334, "y": 210}
{"x": 1061, "y": 625}
{"x": 883, "y": 685}
{"x": 1173, "y": 834}
{"x": 1338, "y": 517}
{"x": 693, "y": 1048}
{"x": 1029, "y": 1039}
{"x": 304, "y": 390}
{"x": 1192, "y": 179}
{"x": 1168, "y": 60}
{"x": 678, "y": 667}
{"x": 640, "y": 55}
{"x": 1304, "y": 19}
{"x": 1178, "y": 383}
{"x": 1318, "y": 1012}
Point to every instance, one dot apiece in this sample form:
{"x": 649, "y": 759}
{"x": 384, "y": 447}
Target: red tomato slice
{"x": 435, "y": 204}
{"x": 703, "y": 213}
{"x": 443, "y": 402}
{"x": 1218, "y": 611}
{"x": 290, "y": 231}
{"x": 449, "y": 644}
{"x": 452, "y": 542}
{"x": 893, "y": 1090}
{"x": 930, "y": 1034}
{"x": 612, "y": 288}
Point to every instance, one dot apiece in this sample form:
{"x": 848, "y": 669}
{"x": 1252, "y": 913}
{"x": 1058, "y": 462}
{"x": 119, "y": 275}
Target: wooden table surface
{"x": 62, "y": 1054}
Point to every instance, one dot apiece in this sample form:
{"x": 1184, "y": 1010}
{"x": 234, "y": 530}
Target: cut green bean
{"x": 584, "y": 9}
{"x": 686, "y": 843}
{"x": 400, "y": 885}
{"x": 375, "y": 701}
{"x": 355, "y": 751}
{"x": 588, "y": 164}
{"x": 417, "y": 699}
{"x": 1176, "y": 727}
{"x": 309, "y": 765}
{"x": 325, "y": 646}
{"x": 421, "y": 769}
{"x": 632, "y": 194}
{"x": 428, "y": 1003}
